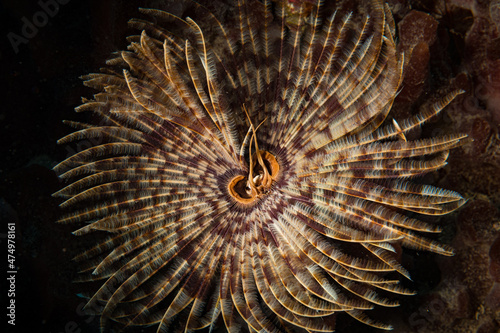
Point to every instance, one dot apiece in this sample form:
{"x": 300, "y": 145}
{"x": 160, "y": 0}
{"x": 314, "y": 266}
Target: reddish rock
{"x": 417, "y": 27}
{"x": 495, "y": 260}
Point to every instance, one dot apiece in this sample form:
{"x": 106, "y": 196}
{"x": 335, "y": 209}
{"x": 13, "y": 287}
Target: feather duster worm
{"x": 246, "y": 180}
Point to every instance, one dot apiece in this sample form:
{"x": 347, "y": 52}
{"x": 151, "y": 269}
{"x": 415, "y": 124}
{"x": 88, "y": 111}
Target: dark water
{"x": 41, "y": 62}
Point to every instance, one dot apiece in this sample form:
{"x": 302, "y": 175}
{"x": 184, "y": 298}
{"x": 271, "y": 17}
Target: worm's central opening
{"x": 264, "y": 171}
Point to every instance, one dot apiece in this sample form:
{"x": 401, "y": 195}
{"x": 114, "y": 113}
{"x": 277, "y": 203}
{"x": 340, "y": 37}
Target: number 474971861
{"x": 11, "y": 245}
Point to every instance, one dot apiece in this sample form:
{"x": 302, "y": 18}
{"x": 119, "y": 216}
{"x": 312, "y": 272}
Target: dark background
{"x": 40, "y": 87}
